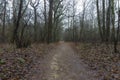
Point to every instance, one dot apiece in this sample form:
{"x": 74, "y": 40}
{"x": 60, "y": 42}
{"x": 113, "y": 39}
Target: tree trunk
{"x": 104, "y": 27}
{"x": 4, "y": 20}
{"x": 49, "y": 37}
{"x": 108, "y": 19}
{"x": 35, "y": 24}
{"x": 17, "y": 24}
{"x": 45, "y": 25}
{"x": 117, "y": 35}
{"x": 99, "y": 22}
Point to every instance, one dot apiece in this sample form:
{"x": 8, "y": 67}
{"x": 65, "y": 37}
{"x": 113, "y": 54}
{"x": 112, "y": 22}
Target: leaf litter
{"x": 16, "y": 63}
{"x": 102, "y": 59}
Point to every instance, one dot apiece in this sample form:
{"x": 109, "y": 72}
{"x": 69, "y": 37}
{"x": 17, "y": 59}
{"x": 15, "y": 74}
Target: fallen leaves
{"x": 16, "y": 63}
{"x": 101, "y": 58}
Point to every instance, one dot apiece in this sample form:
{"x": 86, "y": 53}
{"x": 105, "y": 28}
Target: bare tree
{"x": 4, "y": 19}
{"x": 108, "y": 19}
{"x": 45, "y": 17}
{"x": 17, "y": 16}
{"x": 104, "y": 21}
{"x": 50, "y": 22}
{"x": 17, "y": 24}
{"x": 35, "y": 5}
{"x": 116, "y": 35}
{"x": 99, "y": 21}
{"x": 58, "y": 11}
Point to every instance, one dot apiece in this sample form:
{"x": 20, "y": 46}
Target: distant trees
{"x": 85, "y": 5}
{"x": 72, "y": 27}
{"x": 31, "y": 21}
{"x": 92, "y": 27}
{"x": 83, "y": 22}
{"x": 28, "y": 21}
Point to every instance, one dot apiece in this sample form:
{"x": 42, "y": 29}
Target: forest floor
{"x": 101, "y": 58}
{"x": 59, "y": 61}
{"x": 16, "y": 63}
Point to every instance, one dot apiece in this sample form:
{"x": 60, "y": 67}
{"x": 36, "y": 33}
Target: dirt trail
{"x": 62, "y": 63}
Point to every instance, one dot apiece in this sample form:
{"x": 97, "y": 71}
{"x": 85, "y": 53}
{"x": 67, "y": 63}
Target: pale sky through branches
{"x": 79, "y": 5}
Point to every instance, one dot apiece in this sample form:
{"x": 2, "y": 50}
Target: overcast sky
{"x": 79, "y": 4}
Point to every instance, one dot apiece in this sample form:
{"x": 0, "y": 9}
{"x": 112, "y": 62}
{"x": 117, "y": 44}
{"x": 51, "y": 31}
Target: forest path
{"x": 62, "y": 63}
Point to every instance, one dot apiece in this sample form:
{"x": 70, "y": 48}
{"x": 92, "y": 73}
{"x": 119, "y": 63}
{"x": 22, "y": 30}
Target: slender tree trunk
{"x": 49, "y": 38}
{"x": 82, "y": 24}
{"x": 17, "y": 24}
{"x": 104, "y": 27}
{"x": 113, "y": 22}
{"x": 35, "y": 24}
{"x": 108, "y": 19}
{"x": 99, "y": 22}
{"x": 117, "y": 34}
{"x": 45, "y": 16}
{"x": 4, "y": 20}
